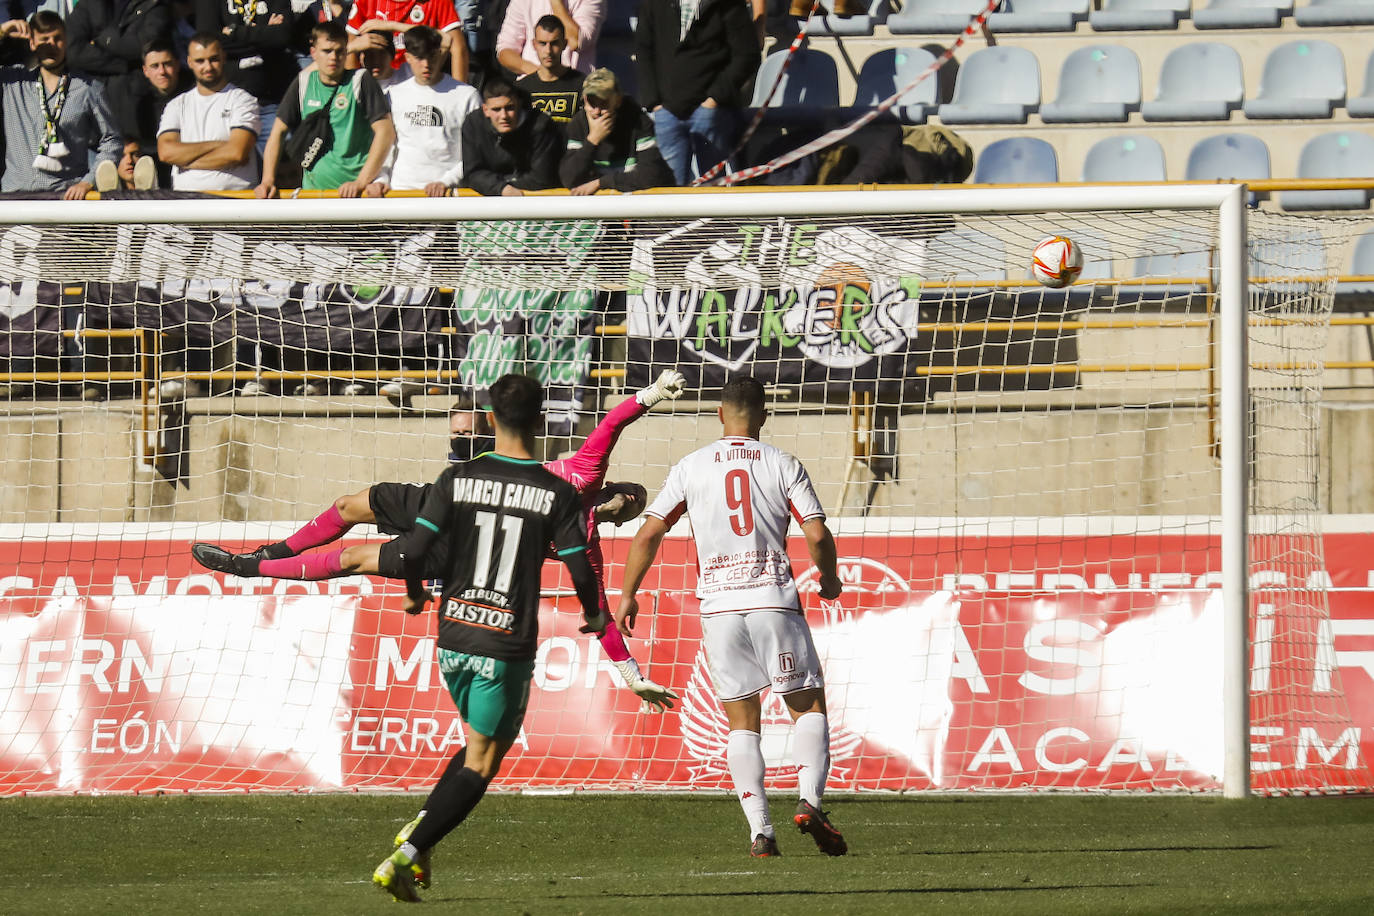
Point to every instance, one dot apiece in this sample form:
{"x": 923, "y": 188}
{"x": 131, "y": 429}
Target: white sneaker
{"x": 308, "y": 389}
{"x": 106, "y": 176}
{"x": 172, "y": 390}
{"x": 400, "y": 391}
{"x": 354, "y": 389}
{"x": 145, "y": 174}
{"x": 253, "y": 389}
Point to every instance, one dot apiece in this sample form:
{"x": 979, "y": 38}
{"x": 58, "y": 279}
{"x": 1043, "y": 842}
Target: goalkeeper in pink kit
{"x": 393, "y": 508}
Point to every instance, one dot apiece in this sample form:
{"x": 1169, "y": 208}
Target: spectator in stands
{"x": 54, "y": 122}
{"x": 382, "y": 23}
{"x": 106, "y": 37}
{"x": 611, "y": 142}
{"x": 14, "y": 30}
{"x": 134, "y": 172}
{"x": 209, "y": 134}
{"x": 380, "y": 63}
{"x": 428, "y": 110}
{"x": 138, "y": 109}
{"x": 258, "y": 40}
{"x": 508, "y": 147}
{"x": 553, "y": 87}
{"x": 359, "y": 119}
{"x": 693, "y": 61}
{"x": 581, "y": 25}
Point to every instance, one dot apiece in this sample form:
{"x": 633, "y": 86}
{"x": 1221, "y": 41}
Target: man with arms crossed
{"x": 210, "y": 133}
{"x": 740, "y": 494}
{"x": 505, "y": 510}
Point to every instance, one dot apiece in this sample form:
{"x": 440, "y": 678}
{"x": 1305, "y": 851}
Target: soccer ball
{"x": 1056, "y": 262}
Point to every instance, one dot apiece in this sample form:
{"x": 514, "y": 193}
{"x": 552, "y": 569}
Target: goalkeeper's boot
{"x": 764, "y": 847}
{"x": 423, "y": 861}
{"x": 221, "y": 560}
{"x": 274, "y": 551}
{"x": 812, "y": 820}
{"x": 396, "y": 876}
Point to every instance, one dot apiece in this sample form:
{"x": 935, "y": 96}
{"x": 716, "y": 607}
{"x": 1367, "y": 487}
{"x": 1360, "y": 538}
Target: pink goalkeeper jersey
{"x": 740, "y": 494}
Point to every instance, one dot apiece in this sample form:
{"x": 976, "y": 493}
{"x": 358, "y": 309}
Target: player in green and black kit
{"x": 500, "y": 512}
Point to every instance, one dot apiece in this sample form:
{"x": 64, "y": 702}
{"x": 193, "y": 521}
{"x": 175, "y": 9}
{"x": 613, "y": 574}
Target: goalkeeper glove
{"x": 668, "y": 387}
{"x": 655, "y": 696}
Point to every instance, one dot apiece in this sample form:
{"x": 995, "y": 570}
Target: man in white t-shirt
{"x": 209, "y": 134}
{"x": 428, "y": 110}
{"x": 741, "y": 495}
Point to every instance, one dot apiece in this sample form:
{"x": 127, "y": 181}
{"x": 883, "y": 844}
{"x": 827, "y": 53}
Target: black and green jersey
{"x": 499, "y": 515}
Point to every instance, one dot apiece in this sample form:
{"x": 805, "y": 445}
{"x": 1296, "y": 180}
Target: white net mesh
{"x": 1024, "y": 484}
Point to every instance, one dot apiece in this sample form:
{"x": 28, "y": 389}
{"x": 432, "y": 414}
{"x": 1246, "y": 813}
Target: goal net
{"x": 1059, "y": 512}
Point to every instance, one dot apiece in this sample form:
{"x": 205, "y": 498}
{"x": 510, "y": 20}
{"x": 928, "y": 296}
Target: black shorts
{"x": 395, "y": 506}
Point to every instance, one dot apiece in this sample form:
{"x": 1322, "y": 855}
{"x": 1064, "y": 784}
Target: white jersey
{"x": 429, "y": 132}
{"x": 740, "y": 494}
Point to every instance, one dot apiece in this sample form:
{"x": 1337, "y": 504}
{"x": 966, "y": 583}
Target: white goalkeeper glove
{"x": 655, "y": 696}
{"x": 668, "y": 387}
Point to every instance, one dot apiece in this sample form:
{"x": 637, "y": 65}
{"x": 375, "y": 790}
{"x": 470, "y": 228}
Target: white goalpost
{"x": 1079, "y": 527}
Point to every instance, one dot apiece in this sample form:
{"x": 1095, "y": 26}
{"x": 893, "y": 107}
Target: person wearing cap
{"x": 611, "y": 144}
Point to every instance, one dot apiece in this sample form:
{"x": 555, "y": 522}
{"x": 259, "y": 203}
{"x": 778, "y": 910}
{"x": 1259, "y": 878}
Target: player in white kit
{"x": 741, "y": 494}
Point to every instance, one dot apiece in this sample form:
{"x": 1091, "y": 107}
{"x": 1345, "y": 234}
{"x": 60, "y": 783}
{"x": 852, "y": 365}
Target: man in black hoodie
{"x": 694, "y": 57}
{"x": 106, "y": 38}
{"x": 508, "y": 147}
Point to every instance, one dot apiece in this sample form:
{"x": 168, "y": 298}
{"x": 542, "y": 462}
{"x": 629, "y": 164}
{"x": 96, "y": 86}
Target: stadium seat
{"x": 1096, "y": 83}
{"x": 1282, "y": 253}
{"x": 850, "y": 25}
{"x": 996, "y": 85}
{"x": 965, "y": 254}
{"x": 1197, "y": 82}
{"x": 1338, "y": 154}
{"x": 1148, "y": 15}
{"x": 1242, "y": 14}
{"x": 934, "y": 17}
{"x": 886, "y": 71}
{"x": 1363, "y": 105}
{"x": 1039, "y": 15}
{"x": 1128, "y": 157}
{"x": 1182, "y": 252}
{"x": 1335, "y": 12}
{"x": 1224, "y": 157}
{"x": 811, "y": 84}
{"x": 1301, "y": 79}
{"x": 1017, "y": 160}
{"x": 1361, "y": 265}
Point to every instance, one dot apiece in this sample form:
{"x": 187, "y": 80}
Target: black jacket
{"x": 627, "y": 160}
{"x": 258, "y": 58}
{"x": 717, "y": 59}
{"x": 526, "y": 158}
{"x": 102, "y": 41}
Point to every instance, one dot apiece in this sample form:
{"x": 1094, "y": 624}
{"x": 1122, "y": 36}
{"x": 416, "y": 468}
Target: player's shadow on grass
{"x": 1046, "y": 850}
{"x": 832, "y": 892}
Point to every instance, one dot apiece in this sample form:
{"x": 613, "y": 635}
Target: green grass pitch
{"x": 658, "y": 855}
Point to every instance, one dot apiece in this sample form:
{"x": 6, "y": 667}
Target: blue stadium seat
{"x": 1017, "y": 160}
{"x": 1197, "y": 82}
{"x": 1149, "y": 15}
{"x": 1181, "y": 252}
{"x": 1126, "y": 157}
{"x": 811, "y": 84}
{"x": 1338, "y": 154}
{"x": 1361, "y": 265}
{"x": 1363, "y": 105}
{"x": 1335, "y": 12}
{"x": 1039, "y": 15}
{"x": 1242, "y": 14}
{"x": 1301, "y": 79}
{"x": 934, "y": 17}
{"x": 996, "y": 85}
{"x": 1287, "y": 253}
{"x": 1096, "y": 83}
{"x": 1225, "y": 157}
{"x": 850, "y": 25}
{"x": 886, "y": 71}
{"x": 965, "y": 254}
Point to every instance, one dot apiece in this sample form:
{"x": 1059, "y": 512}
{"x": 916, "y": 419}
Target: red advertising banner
{"x": 953, "y": 663}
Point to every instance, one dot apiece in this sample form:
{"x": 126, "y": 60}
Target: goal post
{"x": 1055, "y": 483}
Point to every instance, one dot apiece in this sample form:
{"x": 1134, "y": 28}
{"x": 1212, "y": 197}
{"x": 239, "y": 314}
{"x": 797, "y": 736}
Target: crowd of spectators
{"x": 500, "y": 96}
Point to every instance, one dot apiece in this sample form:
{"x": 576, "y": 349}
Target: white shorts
{"x": 756, "y": 649}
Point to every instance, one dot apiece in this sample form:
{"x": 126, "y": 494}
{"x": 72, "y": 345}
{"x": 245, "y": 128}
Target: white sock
{"x": 811, "y": 753}
{"x": 745, "y": 757}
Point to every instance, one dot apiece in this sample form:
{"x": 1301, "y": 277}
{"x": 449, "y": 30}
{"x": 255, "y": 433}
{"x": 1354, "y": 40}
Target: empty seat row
{"x": 1234, "y": 156}
{"x": 1200, "y": 81}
